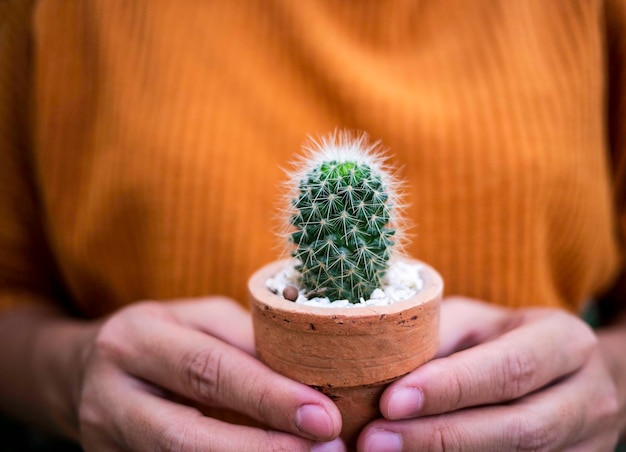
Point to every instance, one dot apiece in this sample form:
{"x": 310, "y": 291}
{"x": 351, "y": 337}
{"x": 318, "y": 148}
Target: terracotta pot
{"x": 350, "y": 354}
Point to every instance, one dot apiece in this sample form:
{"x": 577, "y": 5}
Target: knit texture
{"x": 141, "y": 143}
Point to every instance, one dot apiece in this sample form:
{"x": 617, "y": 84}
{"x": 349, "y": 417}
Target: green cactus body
{"x": 342, "y": 218}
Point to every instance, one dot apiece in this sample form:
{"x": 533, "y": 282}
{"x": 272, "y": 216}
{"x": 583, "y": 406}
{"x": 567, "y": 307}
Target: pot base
{"x": 358, "y": 406}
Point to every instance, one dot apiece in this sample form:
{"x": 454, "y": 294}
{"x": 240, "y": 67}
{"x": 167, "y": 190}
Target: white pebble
{"x": 402, "y": 281}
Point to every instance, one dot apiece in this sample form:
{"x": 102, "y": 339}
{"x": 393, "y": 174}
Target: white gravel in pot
{"x": 403, "y": 280}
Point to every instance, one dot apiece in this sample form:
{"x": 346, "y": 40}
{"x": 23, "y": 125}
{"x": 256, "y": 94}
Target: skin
{"x": 532, "y": 379}
{"x": 129, "y": 382}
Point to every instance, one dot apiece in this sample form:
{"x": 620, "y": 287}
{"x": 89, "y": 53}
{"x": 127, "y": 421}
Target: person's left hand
{"x": 503, "y": 379}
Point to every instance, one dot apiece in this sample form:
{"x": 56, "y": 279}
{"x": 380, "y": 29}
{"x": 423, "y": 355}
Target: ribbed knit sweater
{"x": 141, "y": 142}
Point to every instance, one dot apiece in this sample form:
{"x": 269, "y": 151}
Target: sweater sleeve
{"x": 615, "y": 14}
{"x": 27, "y": 274}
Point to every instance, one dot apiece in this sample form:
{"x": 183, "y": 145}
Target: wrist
{"x": 40, "y": 383}
{"x": 58, "y": 357}
{"x": 611, "y": 341}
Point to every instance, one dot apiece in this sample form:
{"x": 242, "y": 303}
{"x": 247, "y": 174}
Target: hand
{"x": 148, "y": 357}
{"x": 503, "y": 379}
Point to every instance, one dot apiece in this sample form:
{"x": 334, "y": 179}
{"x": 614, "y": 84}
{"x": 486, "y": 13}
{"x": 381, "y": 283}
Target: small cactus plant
{"x": 343, "y": 217}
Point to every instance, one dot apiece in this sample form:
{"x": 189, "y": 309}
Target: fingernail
{"x": 405, "y": 403}
{"x": 383, "y": 441}
{"x": 314, "y": 420}
{"x": 335, "y": 445}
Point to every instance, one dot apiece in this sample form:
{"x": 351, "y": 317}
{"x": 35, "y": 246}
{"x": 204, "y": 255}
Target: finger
{"x": 142, "y": 421}
{"x": 466, "y": 322}
{"x": 585, "y": 404}
{"x": 556, "y": 418}
{"x": 219, "y": 317}
{"x": 211, "y": 372}
{"x": 176, "y": 427}
{"x": 516, "y": 363}
{"x": 598, "y": 444}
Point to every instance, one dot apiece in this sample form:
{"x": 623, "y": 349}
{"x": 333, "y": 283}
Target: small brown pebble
{"x": 290, "y": 293}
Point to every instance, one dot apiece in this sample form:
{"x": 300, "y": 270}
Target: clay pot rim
{"x": 433, "y": 285}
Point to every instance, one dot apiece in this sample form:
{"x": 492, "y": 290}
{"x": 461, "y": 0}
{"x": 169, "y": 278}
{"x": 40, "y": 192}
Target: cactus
{"x": 344, "y": 217}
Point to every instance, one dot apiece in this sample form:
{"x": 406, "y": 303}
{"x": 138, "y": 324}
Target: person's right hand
{"x": 142, "y": 361}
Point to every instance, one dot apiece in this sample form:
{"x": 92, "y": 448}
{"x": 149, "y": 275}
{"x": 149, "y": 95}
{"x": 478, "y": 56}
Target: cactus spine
{"x": 344, "y": 212}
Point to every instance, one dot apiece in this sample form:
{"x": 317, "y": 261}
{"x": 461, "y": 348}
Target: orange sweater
{"x": 141, "y": 142}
